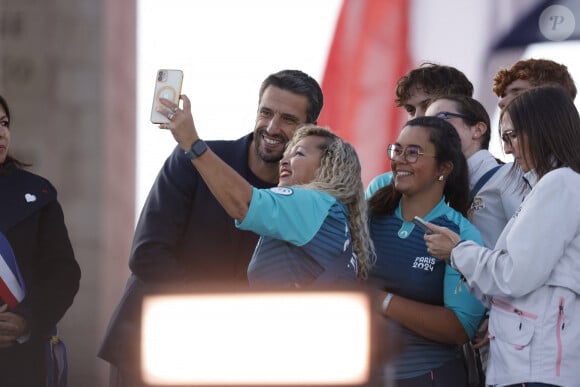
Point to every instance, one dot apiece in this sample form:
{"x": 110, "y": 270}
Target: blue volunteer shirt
{"x": 303, "y": 232}
{"x": 377, "y": 183}
{"x": 404, "y": 267}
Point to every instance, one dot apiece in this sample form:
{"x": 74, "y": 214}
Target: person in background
{"x": 508, "y": 83}
{"x": 312, "y": 225}
{"x": 184, "y": 237}
{"x": 494, "y": 193}
{"x": 524, "y": 75}
{"x": 424, "y": 296}
{"x": 531, "y": 277}
{"x": 416, "y": 88}
{"x": 414, "y": 92}
{"x": 494, "y": 190}
{"x": 528, "y": 73}
{"x": 39, "y": 274}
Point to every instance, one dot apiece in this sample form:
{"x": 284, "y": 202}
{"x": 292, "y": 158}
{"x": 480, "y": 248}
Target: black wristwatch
{"x": 197, "y": 149}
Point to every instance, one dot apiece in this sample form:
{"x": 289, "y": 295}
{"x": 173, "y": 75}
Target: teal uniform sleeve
{"x": 468, "y": 309}
{"x": 377, "y": 183}
{"x": 291, "y": 214}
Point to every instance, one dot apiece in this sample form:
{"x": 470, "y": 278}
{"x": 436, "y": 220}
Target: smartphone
{"x": 167, "y": 85}
{"x": 422, "y": 225}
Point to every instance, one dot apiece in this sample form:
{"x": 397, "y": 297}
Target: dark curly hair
{"x": 433, "y": 79}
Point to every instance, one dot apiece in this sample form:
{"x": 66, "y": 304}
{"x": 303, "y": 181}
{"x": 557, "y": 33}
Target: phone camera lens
{"x": 162, "y": 75}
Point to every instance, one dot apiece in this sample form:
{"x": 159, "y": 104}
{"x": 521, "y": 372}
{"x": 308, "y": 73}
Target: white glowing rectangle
{"x": 292, "y": 338}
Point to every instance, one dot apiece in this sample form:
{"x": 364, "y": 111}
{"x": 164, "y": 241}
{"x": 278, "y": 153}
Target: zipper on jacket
{"x": 519, "y": 313}
{"x": 506, "y": 306}
{"x": 559, "y": 328}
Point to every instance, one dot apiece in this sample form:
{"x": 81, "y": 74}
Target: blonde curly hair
{"x": 339, "y": 175}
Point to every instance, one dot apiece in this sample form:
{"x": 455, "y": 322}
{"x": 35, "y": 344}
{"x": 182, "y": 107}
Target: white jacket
{"x": 533, "y": 278}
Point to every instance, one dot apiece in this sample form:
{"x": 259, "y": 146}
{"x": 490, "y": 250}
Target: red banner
{"x": 368, "y": 54}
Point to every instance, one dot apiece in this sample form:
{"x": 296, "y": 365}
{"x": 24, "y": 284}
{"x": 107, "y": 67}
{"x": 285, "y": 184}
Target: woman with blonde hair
{"x": 313, "y": 225}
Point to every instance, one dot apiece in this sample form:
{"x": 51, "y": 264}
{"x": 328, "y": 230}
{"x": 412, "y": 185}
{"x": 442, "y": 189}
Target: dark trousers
{"x": 23, "y": 365}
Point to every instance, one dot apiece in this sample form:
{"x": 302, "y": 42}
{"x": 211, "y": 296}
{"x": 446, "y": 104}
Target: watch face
{"x": 197, "y": 149}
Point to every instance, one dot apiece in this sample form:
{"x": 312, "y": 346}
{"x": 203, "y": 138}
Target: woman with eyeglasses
{"x": 532, "y": 276}
{"x": 424, "y": 296}
{"x": 493, "y": 186}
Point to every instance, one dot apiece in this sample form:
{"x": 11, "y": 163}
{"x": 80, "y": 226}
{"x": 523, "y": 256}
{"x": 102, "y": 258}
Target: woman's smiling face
{"x": 418, "y": 176}
{"x": 299, "y": 164}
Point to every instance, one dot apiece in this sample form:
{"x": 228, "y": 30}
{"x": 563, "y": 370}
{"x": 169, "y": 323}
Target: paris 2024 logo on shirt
{"x": 424, "y": 263}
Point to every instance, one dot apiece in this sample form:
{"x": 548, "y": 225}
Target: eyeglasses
{"x": 410, "y": 153}
{"x": 508, "y": 136}
{"x": 447, "y": 115}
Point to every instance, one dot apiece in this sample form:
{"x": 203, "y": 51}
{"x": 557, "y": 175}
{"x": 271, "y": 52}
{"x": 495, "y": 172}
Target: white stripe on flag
{"x": 8, "y": 277}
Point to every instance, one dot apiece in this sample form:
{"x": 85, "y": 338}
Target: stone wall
{"x": 67, "y": 69}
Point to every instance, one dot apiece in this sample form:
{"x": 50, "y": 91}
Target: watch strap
{"x": 197, "y": 149}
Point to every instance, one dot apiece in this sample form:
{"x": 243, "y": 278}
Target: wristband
{"x": 386, "y": 302}
{"x": 197, "y": 149}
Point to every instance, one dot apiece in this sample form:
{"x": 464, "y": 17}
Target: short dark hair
{"x": 434, "y": 79}
{"x": 548, "y": 125}
{"x": 473, "y": 110}
{"x": 300, "y": 83}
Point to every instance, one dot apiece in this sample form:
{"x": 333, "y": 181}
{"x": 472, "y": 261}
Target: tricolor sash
{"x": 12, "y": 289}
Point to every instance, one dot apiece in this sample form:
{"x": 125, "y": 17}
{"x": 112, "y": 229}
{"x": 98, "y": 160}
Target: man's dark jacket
{"x": 184, "y": 238}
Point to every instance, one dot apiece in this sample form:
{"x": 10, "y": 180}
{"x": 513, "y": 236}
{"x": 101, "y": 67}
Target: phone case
{"x": 421, "y": 224}
{"x": 167, "y": 85}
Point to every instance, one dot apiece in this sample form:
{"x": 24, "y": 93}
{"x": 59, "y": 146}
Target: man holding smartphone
{"x": 184, "y": 237}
